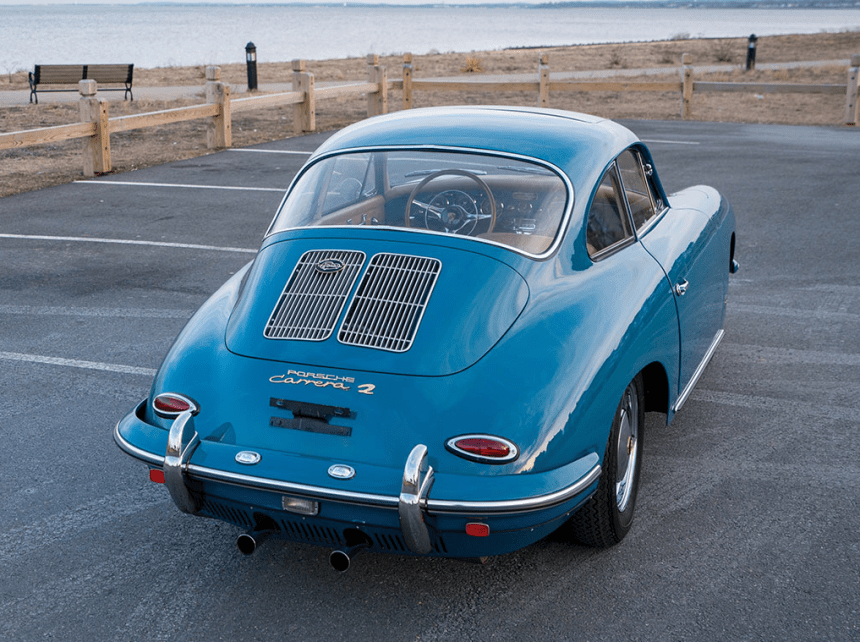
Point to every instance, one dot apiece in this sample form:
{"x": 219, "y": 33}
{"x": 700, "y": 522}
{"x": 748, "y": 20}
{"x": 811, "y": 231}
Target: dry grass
{"x": 40, "y": 166}
{"x": 472, "y": 66}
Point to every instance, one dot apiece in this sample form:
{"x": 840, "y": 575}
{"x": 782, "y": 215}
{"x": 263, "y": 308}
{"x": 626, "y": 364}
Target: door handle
{"x": 681, "y": 287}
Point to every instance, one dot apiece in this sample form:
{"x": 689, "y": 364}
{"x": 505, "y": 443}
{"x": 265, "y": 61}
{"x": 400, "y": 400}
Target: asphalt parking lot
{"x": 747, "y": 525}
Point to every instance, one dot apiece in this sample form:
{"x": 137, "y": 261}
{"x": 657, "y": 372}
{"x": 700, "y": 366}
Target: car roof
{"x": 579, "y": 144}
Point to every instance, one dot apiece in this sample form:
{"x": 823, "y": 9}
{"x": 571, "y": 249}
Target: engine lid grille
{"x": 390, "y": 301}
{"x": 314, "y": 295}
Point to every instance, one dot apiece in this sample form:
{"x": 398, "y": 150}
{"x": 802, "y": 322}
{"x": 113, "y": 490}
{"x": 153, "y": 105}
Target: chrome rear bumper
{"x": 413, "y": 502}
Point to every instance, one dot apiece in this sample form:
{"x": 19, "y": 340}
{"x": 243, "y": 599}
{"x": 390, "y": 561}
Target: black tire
{"x": 606, "y": 518}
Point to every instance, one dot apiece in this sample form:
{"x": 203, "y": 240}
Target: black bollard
{"x": 751, "y": 52}
{"x": 251, "y": 60}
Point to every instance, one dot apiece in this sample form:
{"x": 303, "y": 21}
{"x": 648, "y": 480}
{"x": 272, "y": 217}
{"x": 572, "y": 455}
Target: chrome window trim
{"x": 518, "y": 505}
{"x": 612, "y": 249}
{"x": 631, "y": 237}
{"x": 658, "y": 212}
{"x": 557, "y": 241}
{"x": 650, "y": 224}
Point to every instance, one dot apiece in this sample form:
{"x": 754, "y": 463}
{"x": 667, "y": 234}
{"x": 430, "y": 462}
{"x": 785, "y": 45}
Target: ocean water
{"x": 154, "y": 35}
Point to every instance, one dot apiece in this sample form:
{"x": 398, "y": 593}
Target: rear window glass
{"x": 509, "y": 201}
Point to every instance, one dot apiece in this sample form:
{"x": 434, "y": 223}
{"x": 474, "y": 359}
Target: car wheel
{"x": 606, "y": 518}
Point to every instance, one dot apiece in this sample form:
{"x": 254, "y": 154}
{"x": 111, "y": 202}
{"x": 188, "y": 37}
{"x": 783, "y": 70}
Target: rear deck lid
{"x": 398, "y": 308}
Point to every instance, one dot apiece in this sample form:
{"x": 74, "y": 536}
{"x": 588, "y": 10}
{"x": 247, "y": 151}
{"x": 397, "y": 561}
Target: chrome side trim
{"x": 516, "y": 505}
{"x": 699, "y": 370}
{"x": 414, "y": 488}
{"x": 181, "y": 442}
{"x": 138, "y": 453}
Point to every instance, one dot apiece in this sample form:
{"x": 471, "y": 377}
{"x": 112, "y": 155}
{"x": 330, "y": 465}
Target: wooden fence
{"x": 97, "y": 126}
{"x": 685, "y": 86}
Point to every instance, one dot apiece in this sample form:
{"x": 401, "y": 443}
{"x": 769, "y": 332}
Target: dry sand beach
{"x": 40, "y": 166}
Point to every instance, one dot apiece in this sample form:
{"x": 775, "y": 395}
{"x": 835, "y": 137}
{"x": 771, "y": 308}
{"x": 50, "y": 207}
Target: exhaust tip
{"x": 246, "y": 543}
{"x": 339, "y": 561}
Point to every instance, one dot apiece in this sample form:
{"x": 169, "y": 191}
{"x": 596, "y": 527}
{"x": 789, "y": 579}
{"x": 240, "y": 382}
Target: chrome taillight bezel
{"x": 513, "y": 450}
{"x": 193, "y": 406}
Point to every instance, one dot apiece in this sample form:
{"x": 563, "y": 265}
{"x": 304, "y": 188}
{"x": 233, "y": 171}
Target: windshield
{"x": 504, "y": 200}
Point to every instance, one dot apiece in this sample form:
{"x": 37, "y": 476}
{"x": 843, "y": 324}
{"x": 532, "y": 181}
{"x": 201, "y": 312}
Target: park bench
{"x": 72, "y": 74}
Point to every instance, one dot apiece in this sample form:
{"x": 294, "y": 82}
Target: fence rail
{"x": 164, "y": 117}
{"x": 770, "y": 88}
{"x": 43, "y": 135}
{"x": 97, "y": 126}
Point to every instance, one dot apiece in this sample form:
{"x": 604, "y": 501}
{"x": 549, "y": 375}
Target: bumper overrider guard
{"x": 412, "y": 504}
{"x": 182, "y": 440}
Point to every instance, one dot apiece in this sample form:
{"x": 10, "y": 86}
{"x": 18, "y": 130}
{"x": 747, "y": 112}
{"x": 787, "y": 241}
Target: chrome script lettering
{"x": 318, "y": 375}
{"x": 312, "y": 382}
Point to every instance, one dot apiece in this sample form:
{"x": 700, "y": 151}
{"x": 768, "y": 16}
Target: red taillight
{"x": 156, "y": 475}
{"x": 170, "y": 404}
{"x": 478, "y": 530}
{"x": 483, "y": 448}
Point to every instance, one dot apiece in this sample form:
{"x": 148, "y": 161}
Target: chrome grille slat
{"x": 311, "y": 302}
{"x": 390, "y": 301}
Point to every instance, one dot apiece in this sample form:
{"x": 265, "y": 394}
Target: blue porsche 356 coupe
{"x": 447, "y": 341}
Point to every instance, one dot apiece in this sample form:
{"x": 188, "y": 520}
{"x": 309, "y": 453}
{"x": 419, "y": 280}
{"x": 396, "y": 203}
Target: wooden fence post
{"x": 219, "y": 128}
{"x": 852, "y": 105}
{"x": 377, "y": 102}
{"x": 687, "y": 82}
{"x": 97, "y": 149}
{"x": 543, "y": 71}
{"x": 407, "y": 81}
{"x": 304, "y": 113}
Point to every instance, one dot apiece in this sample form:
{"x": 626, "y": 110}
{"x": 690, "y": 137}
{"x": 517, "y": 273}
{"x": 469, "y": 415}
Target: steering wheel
{"x": 453, "y": 210}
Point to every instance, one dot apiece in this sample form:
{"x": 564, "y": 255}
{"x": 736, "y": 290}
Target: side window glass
{"x": 607, "y": 220}
{"x": 636, "y": 189}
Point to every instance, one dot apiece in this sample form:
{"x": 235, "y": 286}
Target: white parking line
{"x": 122, "y": 313}
{"x": 778, "y": 407}
{"x": 670, "y": 142}
{"x": 75, "y": 363}
{"x": 270, "y": 151}
{"x": 806, "y": 315}
{"x": 185, "y": 186}
{"x": 85, "y": 239}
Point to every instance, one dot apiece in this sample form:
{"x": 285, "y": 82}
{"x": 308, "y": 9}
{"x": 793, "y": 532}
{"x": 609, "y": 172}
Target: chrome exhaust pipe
{"x": 248, "y": 542}
{"x": 340, "y": 560}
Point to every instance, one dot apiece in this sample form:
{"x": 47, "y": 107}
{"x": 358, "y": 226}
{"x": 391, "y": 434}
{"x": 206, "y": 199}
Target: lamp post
{"x": 751, "y": 52}
{"x": 251, "y": 61}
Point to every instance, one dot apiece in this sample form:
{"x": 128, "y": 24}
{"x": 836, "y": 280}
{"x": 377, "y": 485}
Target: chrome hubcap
{"x": 627, "y": 448}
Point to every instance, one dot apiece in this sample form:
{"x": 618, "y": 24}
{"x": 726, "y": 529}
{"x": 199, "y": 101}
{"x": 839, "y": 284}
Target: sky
{"x": 395, "y": 2}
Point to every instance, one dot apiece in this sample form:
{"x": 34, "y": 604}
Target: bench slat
{"x": 110, "y": 73}
{"x": 73, "y": 74}
{"x": 65, "y": 74}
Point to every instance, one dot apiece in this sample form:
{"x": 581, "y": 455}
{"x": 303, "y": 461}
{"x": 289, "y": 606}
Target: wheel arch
{"x": 656, "y": 387}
